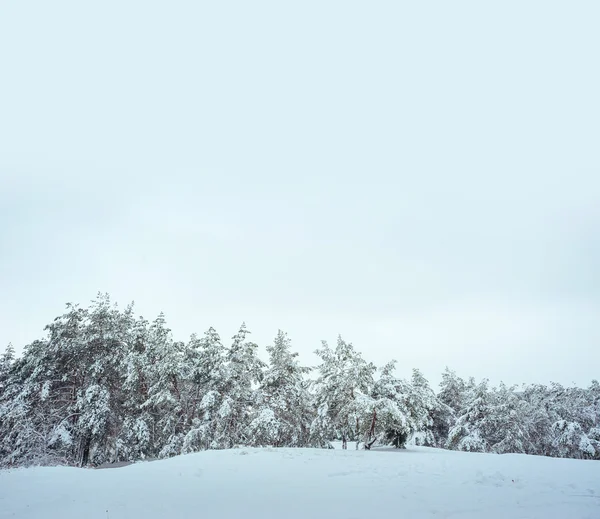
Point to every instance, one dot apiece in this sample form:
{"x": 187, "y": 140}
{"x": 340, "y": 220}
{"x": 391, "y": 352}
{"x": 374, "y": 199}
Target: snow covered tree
{"x": 343, "y": 386}
{"x": 102, "y": 385}
{"x": 104, "y": 338}
{"x": 243, "y": 372}
{"x": 48, "y": 380}
{"x": 135, "y": 439}
{"x": 67, "y": 403}
{"x": 163, "y": 365}
{"x": 6, "y": 361}
{"x": 402, "y": 410}
{"x": 391, "y": 420}
{"x": 12, "y": 407}
{"x": 574, "y": 418}
{"x": 468, "y": 434}
{"x": 497, "y": 420}
{"x": 453, "y": 390}
{"x": 227, "y": 405}
{"x": 421, "y": 402}
{"x": 283, "y": 415}
{"x": 205, "y": 371}
{"x": 507, "y": 429}
{"x": 30, "y": 416}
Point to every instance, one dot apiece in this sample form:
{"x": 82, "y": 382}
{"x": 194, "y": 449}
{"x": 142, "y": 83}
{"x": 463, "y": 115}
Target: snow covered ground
{"x": 305, "y": 483}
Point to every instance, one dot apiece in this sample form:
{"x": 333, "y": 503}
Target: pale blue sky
{"x": 422, "y": 177}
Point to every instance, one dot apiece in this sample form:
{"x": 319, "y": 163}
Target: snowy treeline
{"x": 106, "y": 386}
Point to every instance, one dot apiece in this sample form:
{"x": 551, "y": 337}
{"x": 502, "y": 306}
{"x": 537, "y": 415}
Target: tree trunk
{"x": 85, "y": 451}
{"x": 371, "y": 438}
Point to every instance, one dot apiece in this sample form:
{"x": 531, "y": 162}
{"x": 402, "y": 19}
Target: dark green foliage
{"x": 396, "y": 438}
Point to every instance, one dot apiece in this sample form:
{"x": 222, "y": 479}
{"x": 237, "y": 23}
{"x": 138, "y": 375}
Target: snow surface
{"x": 307, "y": 483}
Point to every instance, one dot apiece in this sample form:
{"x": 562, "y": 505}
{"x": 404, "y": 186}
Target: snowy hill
{"x": 307, "y": 484}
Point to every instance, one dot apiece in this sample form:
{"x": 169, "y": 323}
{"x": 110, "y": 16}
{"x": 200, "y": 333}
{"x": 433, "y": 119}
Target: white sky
{"x": 421, "y": 177}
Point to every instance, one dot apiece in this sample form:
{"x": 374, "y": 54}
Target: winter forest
{"x": 106, "y": 386}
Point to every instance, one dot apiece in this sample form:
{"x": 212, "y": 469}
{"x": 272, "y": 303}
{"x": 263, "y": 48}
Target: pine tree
{"x": 342, "y": 393}
{"x": 506, "y": 428}
{"x": 453, "y": 390}
{"x": 230, "y": 396}
{"x": 135, "y": 439}
{"x": 468, "y": 433}
{"x": 283, "y": 413}
{"x": 243, "y": 372}
{"x": 391, "y": 421}
{"x": 6, "y": 361}
{"x": 102, "y": 386}
{"x": 422, "y": 403}
{"x": 163, "y": 364}
{"x": 206, "y": 373}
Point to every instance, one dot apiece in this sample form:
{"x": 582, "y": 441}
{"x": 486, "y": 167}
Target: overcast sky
{"x": 421, "y": 177}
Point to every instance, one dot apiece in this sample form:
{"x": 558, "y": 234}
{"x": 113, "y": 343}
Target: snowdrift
{"x": 308, "y": 484}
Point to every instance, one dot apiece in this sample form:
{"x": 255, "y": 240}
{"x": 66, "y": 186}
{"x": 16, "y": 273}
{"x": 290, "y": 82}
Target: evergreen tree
{"x": 243, "y": 371}
{"x": 468, "y": 434}
{"x": 342, "y": 393}
{"x": 135, "y": 439}
{"x": 283, "y": 415}
{"x": 391, "y": 420}
{"x": 163, "y": 364}
{"x": 206, "y": 372}
{"x": 102, "y": 385}
{"x": 453, "y": 390}
{"x": 6, "y": 361}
